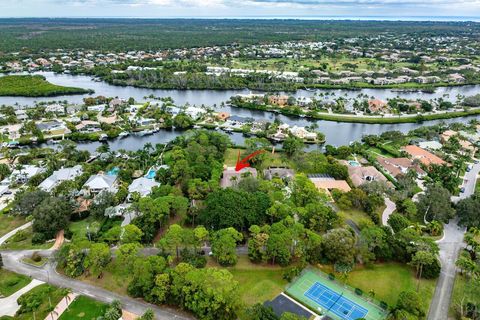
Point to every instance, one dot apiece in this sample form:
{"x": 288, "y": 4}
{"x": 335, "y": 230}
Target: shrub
{"x": 358, "y": 291}
{"x": 38, "y": 238}
{"x": 36, "y": 257}
{"x": 383, "y": 305}
{"x": 19, "y": 236}
{"x": 331, "y": 276}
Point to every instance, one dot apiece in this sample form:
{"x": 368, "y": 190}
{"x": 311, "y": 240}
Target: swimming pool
{"x": 353, "y": 163}
{"x": 150, "y": 174}
{"x": 113, "y": 171}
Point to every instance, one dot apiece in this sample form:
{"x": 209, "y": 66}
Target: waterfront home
{"x": 377, "y": 106}
{"x": 88, "y": 126}
{"x": 60, "y": 176}
{"x": 327, "y": 183}
{"x": 24, "y": 173}
{"x": 278, "y": 100}
{"x": 361, "y": 175}
{"x": 195, "y": 113}
{"x": 97, "y": 108}
{"x": 278, "y": 172}
{"x": 53, "y": 128}
{"x": 101, "y": 183}
{"x": 302, "y": 133}
{"x": 21, "y": 115}
{"x": 397, "y": 166}
{"x": 422, "y": 155}
{"x": 115, "y": 103}
{"x": 55, "y": 108}
{"x": 143, "y": 186}
{"x": 456, "y": 78}
{"x": 230, "y": 177}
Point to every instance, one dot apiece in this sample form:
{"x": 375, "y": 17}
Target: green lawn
{"x": 22, "y": 240}
{"x": 258, "y": 282}
{"x": 114, "y": 278}
{"x": 388, "y": 280}
{"x": 84, "y": 308}
{"x": 11, "y": 282}
{"x": 9, "y": 222}
{"x": 34, "y": 86}
{"x": 79, "y": 230}
{"x": 41, "y": 295}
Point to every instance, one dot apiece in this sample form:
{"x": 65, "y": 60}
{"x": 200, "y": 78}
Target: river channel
{"x": 336, "y": 133}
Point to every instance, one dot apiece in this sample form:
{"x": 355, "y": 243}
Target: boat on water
{"x": 123, "y": 134}
{"x": 103, "y": 137}
{"x": 145, "y": 132}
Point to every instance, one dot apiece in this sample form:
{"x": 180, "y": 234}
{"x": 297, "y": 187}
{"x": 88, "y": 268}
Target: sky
{"x": 232, "y": 8}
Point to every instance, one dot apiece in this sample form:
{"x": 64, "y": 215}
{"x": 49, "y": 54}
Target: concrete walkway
{"x": 9, "y": 305}
{"x": 11, "y": 233}
{"x": 389, "y": 209}
{"x": 61, "y": 307}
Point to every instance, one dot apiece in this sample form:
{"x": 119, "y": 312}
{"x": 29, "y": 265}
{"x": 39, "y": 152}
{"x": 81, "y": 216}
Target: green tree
{"x": 435, "y": 204}
{"x": 339, "y": 246}
{"x": 292, "y": 145}
{"x": 468, "y": 211}
{"x": 51, "y": 216}
{"x": 419, "y": 260}
{"x": 97, "y": 258}
{"x": 224, "y": 246}
{"x": 131, "y": 233}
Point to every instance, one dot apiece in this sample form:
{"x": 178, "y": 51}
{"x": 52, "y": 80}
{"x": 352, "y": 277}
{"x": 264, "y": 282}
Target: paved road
{"x": 450, "y": 247}
{"x": 390, "y": 207}
{"x": 11, "y": 260}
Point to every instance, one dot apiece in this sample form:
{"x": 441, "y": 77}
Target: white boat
{"x": 103, "y": 137}
{"x": 123, "y": 134}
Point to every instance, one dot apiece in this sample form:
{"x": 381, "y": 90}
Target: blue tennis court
{"x": 335, "y": 302}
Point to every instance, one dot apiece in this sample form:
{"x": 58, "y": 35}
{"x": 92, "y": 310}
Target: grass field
{"x": 258, "y": 282}
{"x": 22, "y": 240}
{"x": 84, "y": 308}
{"x": 11, "y": 282}
{"x": 34, "y": 86}
{"x": 9, "y": 222}
{"x": 381, "y": 278}
{"x": 42, "y": 293}
{"x": 299, "y": 290}
{"x": 114, "y": 278}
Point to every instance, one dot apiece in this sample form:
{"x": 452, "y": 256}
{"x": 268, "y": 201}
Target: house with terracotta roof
{"x": 397, "y": 166}
{"x": 422, "y": 155}
{"x": 466, "y": 146}
{"x": 376, "y": 106}
{"x": 361, "y": 175}
{"x": 327, "y": 183}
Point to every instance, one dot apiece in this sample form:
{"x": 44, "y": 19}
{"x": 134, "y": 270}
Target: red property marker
{"x": 244, "y": 162}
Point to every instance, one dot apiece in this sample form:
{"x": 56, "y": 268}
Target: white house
{"x": 25, "y": 173}
{"x": 101, "y": 183}
{"x": 142, "y": 186}
{"x": 59, "y": 176}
